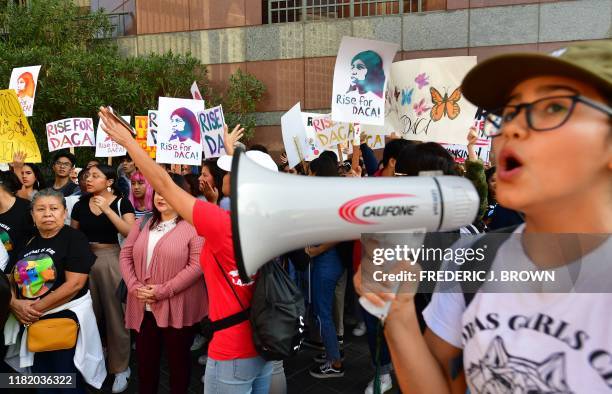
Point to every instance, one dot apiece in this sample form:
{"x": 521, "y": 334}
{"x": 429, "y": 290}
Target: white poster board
{"x": 195, "y": 91}
{"x": 360, "y": 80}
{"x": 105, "y": 146}
{"x": 179, "y": 136}
{"x": 24, "y": 81}
{"x": 152, "y": 128}
{"x": 329, "y": 133}
{"x": 424, "y": 101}
{"x": 211, "y": 122}
{"x": 70, "y": 133}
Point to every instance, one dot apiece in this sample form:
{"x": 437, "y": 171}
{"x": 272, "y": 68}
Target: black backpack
{"x": 276, "y": 313}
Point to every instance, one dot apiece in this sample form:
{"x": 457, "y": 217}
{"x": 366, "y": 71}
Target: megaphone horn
{"x": 274, "y": 213}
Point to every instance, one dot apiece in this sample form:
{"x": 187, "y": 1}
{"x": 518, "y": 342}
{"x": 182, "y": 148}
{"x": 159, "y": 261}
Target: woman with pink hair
{"x": 141, "y": 195}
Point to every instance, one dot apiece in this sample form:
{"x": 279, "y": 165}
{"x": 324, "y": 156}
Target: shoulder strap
{"x": 229, "y": 283}
{"x": 145, "y": 220}
{"x": 119, "y": 206}
{"x": 492, "y": 245}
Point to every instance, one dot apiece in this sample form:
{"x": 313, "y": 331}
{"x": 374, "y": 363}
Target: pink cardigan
{"x": 175, "y": 265}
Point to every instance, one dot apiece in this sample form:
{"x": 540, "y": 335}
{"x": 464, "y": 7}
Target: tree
{"x": 82, "y": 69}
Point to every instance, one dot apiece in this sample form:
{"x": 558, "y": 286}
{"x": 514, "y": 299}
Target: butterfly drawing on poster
{"x": 420, "y": 108}
{"x": 407, "y": 96}
{"x": 422, "y": 80}
{"x": 444, "y": 105}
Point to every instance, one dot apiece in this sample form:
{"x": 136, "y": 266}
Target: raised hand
{"x": 211, "y": 193}
{"x": 115, "y": 129}
{"x": 230, "y": 139}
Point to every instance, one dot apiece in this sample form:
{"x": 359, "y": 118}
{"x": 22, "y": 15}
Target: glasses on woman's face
{"x": 542, "y": 115}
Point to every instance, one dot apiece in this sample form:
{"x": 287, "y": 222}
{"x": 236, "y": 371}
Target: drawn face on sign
{"x": 367, "y": 74}
{"x": 25, "y": 85}
{"x": 184, "y": 126}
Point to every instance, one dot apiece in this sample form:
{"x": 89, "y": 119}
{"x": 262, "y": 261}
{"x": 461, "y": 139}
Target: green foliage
{"x": 243, "y": 94}
{"x": 82, "y": 70}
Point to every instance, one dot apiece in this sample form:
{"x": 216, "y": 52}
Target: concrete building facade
{"x": 295, "y": 60}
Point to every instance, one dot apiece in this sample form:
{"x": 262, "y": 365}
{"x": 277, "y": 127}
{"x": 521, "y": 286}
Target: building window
{"x": 282, "y": 11}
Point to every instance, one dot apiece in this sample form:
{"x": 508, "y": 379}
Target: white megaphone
{"x": 274, "y": 213}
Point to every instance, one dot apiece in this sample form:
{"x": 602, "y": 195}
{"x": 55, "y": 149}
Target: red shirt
{"x": 214, "y": 224}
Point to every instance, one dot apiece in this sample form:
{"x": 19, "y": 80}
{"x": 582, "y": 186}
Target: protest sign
{"x": 105, "y": 146}
{"x": 211, "y": 122}
{"x": 483, "y": 144}
{"x": 15, "y": 132}
{"x": 312, "y": 147}
{"x": 424, "y": 100}
{"x": 329, "y": 133}
{"x": 70, "y": 133}
{"x": 195, "y": 91}
{"x": 375, "y": 141}
{"x": 24, "y": 81}
{"x": 141, "y": 123}
{"x": 179, "y": 134}
{"x": 152, "y": 129}
{"x": 360, "y": 80}
{"x": 294, "y": 135}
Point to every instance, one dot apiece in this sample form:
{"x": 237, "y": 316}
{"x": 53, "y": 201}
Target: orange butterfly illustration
{"x": 446, "y": 105}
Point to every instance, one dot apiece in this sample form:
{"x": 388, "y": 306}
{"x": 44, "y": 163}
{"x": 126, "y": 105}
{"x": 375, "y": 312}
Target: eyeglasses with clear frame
{"x": 544, "y": 114}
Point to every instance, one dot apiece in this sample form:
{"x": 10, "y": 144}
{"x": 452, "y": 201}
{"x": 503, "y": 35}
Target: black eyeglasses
{"x": 65, "y": 164}
{"x": 542, "y": 115}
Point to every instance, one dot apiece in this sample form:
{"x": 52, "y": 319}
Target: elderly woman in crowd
{"x": 51, "y": 300}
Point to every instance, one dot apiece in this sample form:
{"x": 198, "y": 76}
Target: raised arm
{"x": 182, "y": 201}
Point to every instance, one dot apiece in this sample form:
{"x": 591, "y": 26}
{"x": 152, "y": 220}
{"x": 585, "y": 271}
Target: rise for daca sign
{"x": 179, "y": 135}
{"x": 105, "y": 146}
{"x": 70, "y": 133}
{"x": 211, "y": 122}
{"x": 360, "y": 81}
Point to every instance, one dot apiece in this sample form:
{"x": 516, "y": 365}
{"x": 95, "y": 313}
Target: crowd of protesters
{"x": 148, "y": 255}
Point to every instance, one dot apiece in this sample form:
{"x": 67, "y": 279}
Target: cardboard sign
{"x": 212, "y": 122}
{"x": 179, "y": 137}
{"x": 329, "y": 133}
{"x": 15, "y": 132}
{"x": 312, "y": 147}
{"x": 141, "y": 123}
{"x": 424, "y": 100}
{"x": 483, "y": 144}
{"x": 105, "y": 146}
{"x": 70, "y": 133}
{"x": 152, "y": 129}
{"x": 360, "y": 80}
{"x": 195, "y": 91}
{"x": 24, "y": 81}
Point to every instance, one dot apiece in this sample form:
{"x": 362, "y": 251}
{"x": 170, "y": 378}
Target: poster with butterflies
{"x": 424, "y": 100}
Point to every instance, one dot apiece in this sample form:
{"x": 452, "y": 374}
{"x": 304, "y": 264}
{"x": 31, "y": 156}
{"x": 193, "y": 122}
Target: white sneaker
{"x": 359, "y": 330}
{"x": 202, "y": 360}
{"x": 198, "y": 342}
{"x": 386, "y": 384}
{"x": 202, "y": 378}
{"x": 121, "y": 381}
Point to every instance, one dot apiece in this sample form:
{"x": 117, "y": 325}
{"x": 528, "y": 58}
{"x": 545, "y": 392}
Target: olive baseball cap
{"x": 489, "y": 84}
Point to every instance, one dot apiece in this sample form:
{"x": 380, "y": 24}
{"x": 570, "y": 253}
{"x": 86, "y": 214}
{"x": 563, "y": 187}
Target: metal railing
{"x": 281, "y": 11}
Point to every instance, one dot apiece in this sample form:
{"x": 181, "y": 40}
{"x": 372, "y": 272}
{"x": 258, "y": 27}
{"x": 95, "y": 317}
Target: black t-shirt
{"x": 42, "y": 264}
{"x": 16, "y": 228}
{"x": 67, "y": 190}
{"x": 99, "y": 229}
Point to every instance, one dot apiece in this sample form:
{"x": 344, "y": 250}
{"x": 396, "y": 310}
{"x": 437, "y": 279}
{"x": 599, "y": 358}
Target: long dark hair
{"x": 9, "y": 182}
{"x": 180, "y": 181}
{"x": 110, "y": 174}
{"x": 216, "y": 173}
{"x": 40, "y": 179}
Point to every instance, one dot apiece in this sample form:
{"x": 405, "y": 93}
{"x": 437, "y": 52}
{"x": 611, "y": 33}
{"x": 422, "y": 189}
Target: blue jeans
{"x": 326, "y": 272}
{"x": 371, "y": 323}
{"x": 240, "y": 376}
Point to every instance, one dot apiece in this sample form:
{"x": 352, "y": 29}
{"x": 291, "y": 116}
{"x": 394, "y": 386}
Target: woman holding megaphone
{"x": 543, "y": 110}
{"x": 233, "y": 362}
